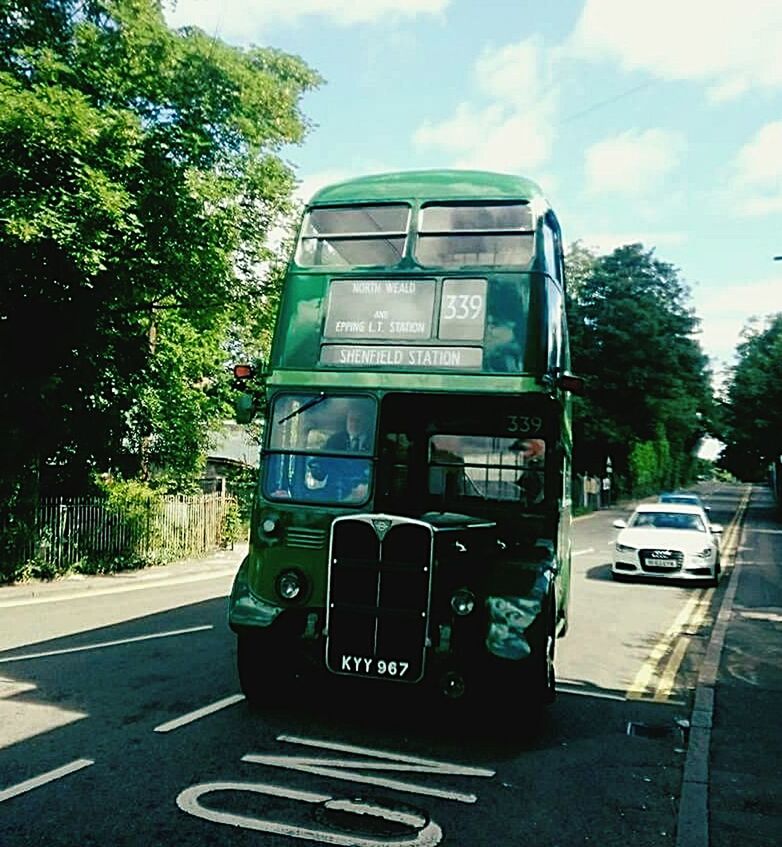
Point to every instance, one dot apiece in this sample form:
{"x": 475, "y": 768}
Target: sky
{"x": 654, "y": 122}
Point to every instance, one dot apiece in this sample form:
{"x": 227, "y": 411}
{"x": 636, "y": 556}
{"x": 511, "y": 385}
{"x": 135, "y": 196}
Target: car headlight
{"x": 624, "y": 548}
{"x": 705, "y": 553}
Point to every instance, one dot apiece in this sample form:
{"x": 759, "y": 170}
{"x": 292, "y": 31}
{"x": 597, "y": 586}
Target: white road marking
{"x": 11, "y": 687}
{"x": 199, "y": 713}
{"x": 50, "y": 776}
{"x": 439, "y": 766}
{"x": 339, "y": 768}
{"x": 584, "y": 552}
{"x": 188, "y": 801}
{"x": 770, "y": 616}
{"x": 142, "y": 585}
{"x": 102, "y": 644}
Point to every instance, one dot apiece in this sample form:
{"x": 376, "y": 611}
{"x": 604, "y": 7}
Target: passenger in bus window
{"x": 532, "y": 452}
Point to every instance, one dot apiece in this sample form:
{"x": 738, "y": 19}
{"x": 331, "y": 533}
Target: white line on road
{"x": 199, "y": 713}
{"x": 103, "y": 644}
{"x": 50, "y": 776}
{"x": 584, "y": 552}
{"x": 442, "y": 767}
{"x": 142, "y": 585}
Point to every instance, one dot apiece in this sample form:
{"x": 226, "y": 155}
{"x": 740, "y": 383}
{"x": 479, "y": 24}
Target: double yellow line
{"x": 655, "y": 679}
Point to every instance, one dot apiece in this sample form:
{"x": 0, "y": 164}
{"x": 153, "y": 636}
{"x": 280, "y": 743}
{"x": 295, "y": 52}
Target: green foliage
{"x": 648, "y": 397}
{"x": 140, "y": 176}
{"x": 644, "y": 468}
{"x": 242, "y": 483}
{"x": 231, "y": 529}
{"x": 135, "y": 505}
{"x": 753, "y": 409}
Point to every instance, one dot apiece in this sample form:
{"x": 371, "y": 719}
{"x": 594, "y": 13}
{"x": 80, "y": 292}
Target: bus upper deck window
{"x": 353, "y": 235}
{"x": 475, "y": 234}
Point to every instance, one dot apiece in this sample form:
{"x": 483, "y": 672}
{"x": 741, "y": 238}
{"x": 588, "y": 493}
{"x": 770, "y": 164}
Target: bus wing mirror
{"x": 244, "y": 408}
{"x": 573, "y": 384}
{"x": 250, "y": 399}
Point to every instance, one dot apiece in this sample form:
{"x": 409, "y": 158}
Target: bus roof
{"x": 428, "y": 185}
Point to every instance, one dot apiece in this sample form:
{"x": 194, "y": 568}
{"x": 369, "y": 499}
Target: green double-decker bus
{"x": 412, "y": 521}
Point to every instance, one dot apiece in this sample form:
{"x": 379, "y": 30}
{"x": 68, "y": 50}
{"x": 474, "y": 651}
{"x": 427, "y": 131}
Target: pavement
{"x": 218, "y": 563}
{"x": 732, "y": 781}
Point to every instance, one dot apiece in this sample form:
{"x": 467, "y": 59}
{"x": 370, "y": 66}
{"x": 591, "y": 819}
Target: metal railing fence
{"x": 69, "y": 532}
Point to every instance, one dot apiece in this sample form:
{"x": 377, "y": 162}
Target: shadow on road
{"x": 600, "y": 572}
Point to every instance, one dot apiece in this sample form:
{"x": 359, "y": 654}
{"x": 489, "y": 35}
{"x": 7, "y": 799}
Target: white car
{"x": 669, "y": 541}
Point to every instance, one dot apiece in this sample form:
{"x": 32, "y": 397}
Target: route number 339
{"x": 523, "y": 424}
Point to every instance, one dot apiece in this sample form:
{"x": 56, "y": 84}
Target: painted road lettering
{"x": 421, "y": 829}
{"x": 427, "y": 835}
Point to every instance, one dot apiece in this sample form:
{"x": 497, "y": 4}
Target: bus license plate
{"x": 364, "y": 666}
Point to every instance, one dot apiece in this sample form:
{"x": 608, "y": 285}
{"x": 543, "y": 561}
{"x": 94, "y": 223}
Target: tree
{"x": 139, "y": 177}
{"x": 648, "y": 392}
{"x": 753, "y": 410}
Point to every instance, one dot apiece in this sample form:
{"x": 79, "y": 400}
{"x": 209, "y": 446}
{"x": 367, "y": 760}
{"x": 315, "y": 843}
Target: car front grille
{"x": 658, "y": 560}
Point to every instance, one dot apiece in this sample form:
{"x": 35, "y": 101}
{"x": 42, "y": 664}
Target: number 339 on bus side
{"x": 523, "y": 424}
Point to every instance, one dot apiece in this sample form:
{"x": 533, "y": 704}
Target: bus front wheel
{"x": 538, "y": 674}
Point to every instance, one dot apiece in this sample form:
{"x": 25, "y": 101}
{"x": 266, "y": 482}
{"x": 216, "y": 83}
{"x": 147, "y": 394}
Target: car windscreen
{"x": 667, "y": 520}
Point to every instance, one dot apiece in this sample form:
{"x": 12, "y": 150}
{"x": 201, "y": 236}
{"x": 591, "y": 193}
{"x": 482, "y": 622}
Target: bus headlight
{"x": 463, "y": 601}
{"x": 269, "y": 524}
{"x": 290, "y": 585}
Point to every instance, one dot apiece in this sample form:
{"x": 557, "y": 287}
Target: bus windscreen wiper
{"x": 308, "y": 405}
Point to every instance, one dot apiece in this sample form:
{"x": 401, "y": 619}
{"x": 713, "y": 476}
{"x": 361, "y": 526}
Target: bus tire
{"x": 539, "y": 674}
{"x": 264, "y": 675}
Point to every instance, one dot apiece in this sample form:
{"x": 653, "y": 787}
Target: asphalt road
{"x": 105, "y": 739}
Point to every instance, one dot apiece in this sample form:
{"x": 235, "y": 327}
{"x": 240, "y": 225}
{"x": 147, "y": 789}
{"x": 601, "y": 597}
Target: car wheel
{"x": 715, "y": 580}
{"x": 264, "y": 674}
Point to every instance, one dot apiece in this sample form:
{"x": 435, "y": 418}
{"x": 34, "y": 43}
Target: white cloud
{"x": 510, "y": 73}
{"x": 726, "y": 310}
{"x": 758, "y": 173}
{"x": 241, "y": 21}
{"x": 731, "y": 45}
{"x": 760, "y": 159}
{"x": 514, "y": 130}
{"x": 633, "y": 162}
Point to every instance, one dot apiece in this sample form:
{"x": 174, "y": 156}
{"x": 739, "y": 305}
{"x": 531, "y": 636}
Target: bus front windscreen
{"x": 320, "y": 449}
